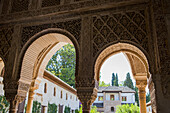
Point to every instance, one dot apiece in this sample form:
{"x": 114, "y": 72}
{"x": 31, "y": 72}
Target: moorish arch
{"x": 138, "y": 62}
{"x": 36, "y": 54}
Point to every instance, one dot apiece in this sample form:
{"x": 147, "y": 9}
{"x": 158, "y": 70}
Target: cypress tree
{"x": 113, "y": 79}
{"x": 116, "y": 84}
{"x": 136, "y": 96}
{"x": 128, "y": 82}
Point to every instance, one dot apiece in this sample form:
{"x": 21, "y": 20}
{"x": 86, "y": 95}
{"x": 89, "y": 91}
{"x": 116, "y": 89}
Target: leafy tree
{"x": 148, "y": 98}
{"x": 128, "y": 81}
{"x": 76, "y": 111}
{"x": 127, "y": 109}
{"x": 4, "y": 105}
{"x": 103, "y": 84}
{"x": 113, "y": 79}
{"x": 62, "y": 64}
{"x": 92, "y": 110}
{"x": 52, "y": 108}
{"x": 116, "y": 83}
{"x": 136, "y": 96}
{"x": 67, "y": 109}
{"x": 36, "y": 107}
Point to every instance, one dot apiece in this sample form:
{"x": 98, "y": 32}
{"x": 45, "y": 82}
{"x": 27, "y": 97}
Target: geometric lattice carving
{"x": 73, "y": 26}
{"x": 129, "y": 26}
{"x": 5, "y": 41}
{"x": 20, "y": 5}
{"x": 47, "y": 3}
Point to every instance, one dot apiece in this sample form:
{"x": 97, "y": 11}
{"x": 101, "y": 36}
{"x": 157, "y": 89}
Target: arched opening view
{"x": 58, "y": 83}
{"x": 122, "y": 79}
{"x": 50, "y": 78}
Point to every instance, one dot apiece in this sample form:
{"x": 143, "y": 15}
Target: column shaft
{"x": 13, "y": 106}
{"x": 142, "y": 100}
{"x": 30, "y": 101}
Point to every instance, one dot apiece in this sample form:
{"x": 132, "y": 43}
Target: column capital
{"x": 141, "y": 84}
{"x": 87, "y": 97}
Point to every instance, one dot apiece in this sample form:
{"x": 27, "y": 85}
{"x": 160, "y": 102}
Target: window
{"x": 124, "y": 98}
{"x": 61, "y": 96}
{"x": 54, "y": 91}
{"x": 45, "y": 88}
{"x": 112, "y": 97}
{"x": 70, "y": 97}
{"x": 100, "y": 98}
{"x": 66, "y": 96}
{"x": 112, "y": 109}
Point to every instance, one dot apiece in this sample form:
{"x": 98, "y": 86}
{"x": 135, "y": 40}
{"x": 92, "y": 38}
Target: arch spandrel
{"x": 116, "y": 48}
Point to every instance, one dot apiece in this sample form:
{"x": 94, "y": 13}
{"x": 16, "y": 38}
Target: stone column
{"x": 142, "y": 100}
{"x": 120, "y": 96}
{"x": 13, "y": 106}
{"x": 104, "y": 96}
{"x": 30, "y": 100}
{"x": 86, "y": 92}
{"x": 142, "y": 94}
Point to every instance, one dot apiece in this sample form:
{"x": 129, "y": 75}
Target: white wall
{"x": 129, "y": 96}
{"x": 116, "y": 96}
{"x": 50, "y": 98}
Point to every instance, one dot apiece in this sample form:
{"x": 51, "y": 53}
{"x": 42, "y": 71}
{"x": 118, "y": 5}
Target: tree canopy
{"x": 62, "y": 64}
{"x": 128, "y": 81}
{"x": 103, "y": 84}
{"x": 114, "y": 80}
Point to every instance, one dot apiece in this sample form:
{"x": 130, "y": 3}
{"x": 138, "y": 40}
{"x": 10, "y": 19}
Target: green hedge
{"x": 67, "y": 109}
{"x": 36, "y": 107}
{"x": 52, "y": 108}
{"x": 4, "y": 105}
{"x": 127, "y": 109}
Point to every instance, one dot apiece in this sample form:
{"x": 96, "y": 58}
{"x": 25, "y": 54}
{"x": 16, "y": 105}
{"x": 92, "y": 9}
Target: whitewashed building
{"x": 55, "y": 91}
{"x": 109, "y": 97}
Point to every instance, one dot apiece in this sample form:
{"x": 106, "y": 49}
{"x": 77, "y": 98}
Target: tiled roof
{"x": 116, "y": 89}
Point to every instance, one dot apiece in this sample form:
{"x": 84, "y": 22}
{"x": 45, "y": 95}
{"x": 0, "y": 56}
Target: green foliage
{"x": 52, "y": 108}
{"x": 67, "y": 109}
{"x": 128, "y": 82}
{"x": 4, "y": 105}
{"x": 62, "y": 64}
{"x": 36, "y": 107}
{"x": 113, "y": 79}
{"x": 93, "y": 109}
{"x": 76, "y": 111}
{"x": 116, "y": 83}
{"x": 136, "y": 96}
{"x": 103, "y": 84}
{"x": 127, "y": 109}
{"x": 148, "y": 98}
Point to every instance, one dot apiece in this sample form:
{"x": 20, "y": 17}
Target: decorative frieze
{"x": 72, "y": 26}
{"x": 129, "y": 26}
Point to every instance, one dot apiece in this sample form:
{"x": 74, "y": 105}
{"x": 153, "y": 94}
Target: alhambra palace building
{"x": 31, "y": 31}
{"x": 108, "y": 98}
